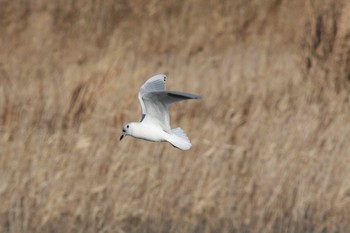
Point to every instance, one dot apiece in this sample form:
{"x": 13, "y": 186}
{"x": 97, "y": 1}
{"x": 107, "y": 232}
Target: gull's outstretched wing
{"x": 154, "y": 84}
{"x": 155, "y": 100}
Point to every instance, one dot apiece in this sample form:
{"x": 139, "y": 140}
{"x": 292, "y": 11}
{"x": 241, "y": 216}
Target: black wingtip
{"x": 142, "y": 117}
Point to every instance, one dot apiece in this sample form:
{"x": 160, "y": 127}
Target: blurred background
{"x": 270, "y": 136}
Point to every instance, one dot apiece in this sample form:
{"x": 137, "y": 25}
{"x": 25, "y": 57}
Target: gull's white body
{"x": 149, "y": 132}
{"x": 155, "y": 122}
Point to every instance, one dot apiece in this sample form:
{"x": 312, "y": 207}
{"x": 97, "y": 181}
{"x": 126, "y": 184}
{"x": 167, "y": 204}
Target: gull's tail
{"x": 179, "y": 139}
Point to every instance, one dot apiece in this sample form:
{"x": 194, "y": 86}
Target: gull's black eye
{"x": 127, "y": 126}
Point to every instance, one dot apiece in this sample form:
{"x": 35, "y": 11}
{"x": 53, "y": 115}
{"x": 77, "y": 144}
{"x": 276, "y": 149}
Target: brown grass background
{"x": 270, "y": 137}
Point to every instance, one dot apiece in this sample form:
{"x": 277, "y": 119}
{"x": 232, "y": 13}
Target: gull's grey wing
{"x": 156, "y": 105}
{"x": 154, "y": 84}
{"x": 170, "y": 97}
{"x": 156, "y": 111}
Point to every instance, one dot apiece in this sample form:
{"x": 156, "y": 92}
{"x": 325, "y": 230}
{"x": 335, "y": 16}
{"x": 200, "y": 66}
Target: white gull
{"x": 155, "y": 121}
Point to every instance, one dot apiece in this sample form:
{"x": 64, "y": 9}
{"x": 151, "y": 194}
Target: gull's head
{"x": 126, "y": 130}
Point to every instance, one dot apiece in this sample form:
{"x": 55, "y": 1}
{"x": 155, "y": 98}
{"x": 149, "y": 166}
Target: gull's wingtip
{"x": 160, "y": 76}
{"x": 183, "y": 95}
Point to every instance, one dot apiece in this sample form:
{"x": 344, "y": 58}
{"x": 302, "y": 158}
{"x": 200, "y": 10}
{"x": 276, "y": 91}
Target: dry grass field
{"x": 270, "y": 137}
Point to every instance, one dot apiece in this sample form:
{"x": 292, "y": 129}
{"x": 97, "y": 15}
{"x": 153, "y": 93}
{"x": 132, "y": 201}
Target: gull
{"x": 155, "y": 120}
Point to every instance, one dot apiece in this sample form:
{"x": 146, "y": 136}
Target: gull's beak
{"x": 121, "y": 137}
